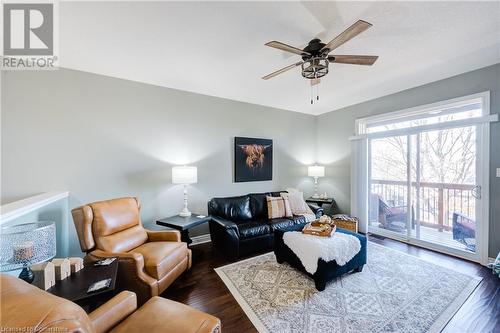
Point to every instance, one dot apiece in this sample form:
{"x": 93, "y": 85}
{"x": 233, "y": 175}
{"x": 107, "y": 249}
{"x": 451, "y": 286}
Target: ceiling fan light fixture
{"x": 314, "y": 68}
{"x": 315, "y": 56}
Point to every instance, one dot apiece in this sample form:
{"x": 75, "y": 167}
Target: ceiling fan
{"x": 316, "y": 57}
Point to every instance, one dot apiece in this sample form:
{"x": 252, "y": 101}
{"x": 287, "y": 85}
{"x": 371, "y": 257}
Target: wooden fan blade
{"x": 353, "y": 59}
{"x": 279, "y": 71}
{"x": 285, "y": 47}
{"x": 348, "y": 34}
{"x": 315, "y": 82}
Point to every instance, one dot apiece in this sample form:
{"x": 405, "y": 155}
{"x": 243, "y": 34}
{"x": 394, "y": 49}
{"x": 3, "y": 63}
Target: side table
{"x": 74, "y": 287}
{"x": 183, "y": 224}
{"x": 320, "y": 201}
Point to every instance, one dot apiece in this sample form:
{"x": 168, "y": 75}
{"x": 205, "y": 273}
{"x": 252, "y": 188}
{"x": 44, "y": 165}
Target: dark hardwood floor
{"x": 202, "y": 288}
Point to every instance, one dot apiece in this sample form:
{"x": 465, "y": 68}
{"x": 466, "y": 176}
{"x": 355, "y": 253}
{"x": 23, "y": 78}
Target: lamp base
{"x": 185, "y": 213}
{"x": 27, "y": 275}
{"x": 315, "y": 195}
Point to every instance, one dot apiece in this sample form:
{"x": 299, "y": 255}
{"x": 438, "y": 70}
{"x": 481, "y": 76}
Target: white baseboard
{"x": 201, "y": 239}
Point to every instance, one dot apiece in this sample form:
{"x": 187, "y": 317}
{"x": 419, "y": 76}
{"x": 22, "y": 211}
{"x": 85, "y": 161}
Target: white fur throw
{"x": 339, "y": 247}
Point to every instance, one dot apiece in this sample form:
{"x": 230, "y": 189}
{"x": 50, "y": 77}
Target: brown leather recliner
{"x": 149, "y": 260}
{"x": 25, "y": 308}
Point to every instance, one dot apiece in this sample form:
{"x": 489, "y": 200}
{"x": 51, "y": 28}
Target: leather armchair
{"x": 26, "y": 308}
{"x": 149, "y": 261}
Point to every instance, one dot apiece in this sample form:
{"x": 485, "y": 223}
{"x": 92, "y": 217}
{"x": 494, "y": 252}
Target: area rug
{"x": 395, "y": 292}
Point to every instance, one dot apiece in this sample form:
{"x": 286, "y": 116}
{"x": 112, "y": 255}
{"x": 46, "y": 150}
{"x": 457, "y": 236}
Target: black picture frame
{"x": 253, "y": 159}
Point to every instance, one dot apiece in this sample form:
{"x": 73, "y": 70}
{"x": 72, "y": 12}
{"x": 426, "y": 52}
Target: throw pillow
{"x": 288, "y": 208}
{"x": 277, "y": 208}
{"x": 297, "y": 203}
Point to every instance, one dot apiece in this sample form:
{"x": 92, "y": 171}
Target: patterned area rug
{"x": 395, "y": 292}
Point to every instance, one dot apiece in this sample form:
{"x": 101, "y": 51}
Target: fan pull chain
{"x": 317, "y": 92}
{"x": 312, "y": 95}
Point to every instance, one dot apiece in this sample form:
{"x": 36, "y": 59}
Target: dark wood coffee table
{"x": 74, "y": 287}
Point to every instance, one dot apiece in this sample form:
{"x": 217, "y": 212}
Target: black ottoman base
{"x": 327, "y": 270}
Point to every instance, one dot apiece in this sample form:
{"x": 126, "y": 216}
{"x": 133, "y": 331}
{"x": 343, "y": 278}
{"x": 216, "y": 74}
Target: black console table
{"x": 320, "y": 201}
{"x": 183, "y": 224}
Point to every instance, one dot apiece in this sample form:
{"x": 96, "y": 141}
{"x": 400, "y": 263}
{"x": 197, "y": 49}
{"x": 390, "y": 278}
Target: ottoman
{"x": 327, "y": 270}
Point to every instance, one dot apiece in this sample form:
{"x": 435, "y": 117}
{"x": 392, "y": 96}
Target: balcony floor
{"x": 444, "y": 238}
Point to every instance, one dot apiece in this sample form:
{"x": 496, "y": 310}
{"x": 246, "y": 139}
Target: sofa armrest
{"x": 111, "y": 313}
{"x": 225, "y": 237}
{"x": 226, "y": 224}
{"x": 317, "y": 210}
{"x": 164, "y": 236}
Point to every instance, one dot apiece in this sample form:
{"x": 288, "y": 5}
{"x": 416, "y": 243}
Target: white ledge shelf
{"x": 19, "y": 208}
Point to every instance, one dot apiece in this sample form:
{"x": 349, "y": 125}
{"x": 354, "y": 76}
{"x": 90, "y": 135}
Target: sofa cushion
{"x": 299, "y": 219}
{"x": 253, "y": 229}
{"x": 285, "y": 223}
{"x": 161, "y": 257}
{"x": 280, "y": 223}
{"x": 232, "y": 208}
{"x": 258, "y": 205}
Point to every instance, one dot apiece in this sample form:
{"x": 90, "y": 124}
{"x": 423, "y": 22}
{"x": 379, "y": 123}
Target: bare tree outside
{"x": 446, "y": 156}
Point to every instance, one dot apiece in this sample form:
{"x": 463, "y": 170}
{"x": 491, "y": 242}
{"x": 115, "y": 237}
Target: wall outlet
{"x": 498, "y": 172}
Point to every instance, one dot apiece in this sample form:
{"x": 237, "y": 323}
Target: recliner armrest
{"x": 113, "y": 311}
{"x": 133, "y": 261}
{"x": 317, "y": 210}
{"x": 163, "y": 236}
{"x": 131, "y": 273}
{"x": 97, "y": 254}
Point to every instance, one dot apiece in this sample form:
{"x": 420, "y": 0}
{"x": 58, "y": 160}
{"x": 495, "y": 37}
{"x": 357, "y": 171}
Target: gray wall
{"x": 57, "y": 212}
{"x": 334, "y": 129}
{"x": 100, "y": 137}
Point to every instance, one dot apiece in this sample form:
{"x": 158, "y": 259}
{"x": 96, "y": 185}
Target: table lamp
{"x": 316, "y": 171}
{"x": 23, "y": 245}
{"x": 185, "y": 175}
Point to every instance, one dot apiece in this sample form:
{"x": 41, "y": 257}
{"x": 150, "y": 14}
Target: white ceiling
{"x": 217, "y": 48}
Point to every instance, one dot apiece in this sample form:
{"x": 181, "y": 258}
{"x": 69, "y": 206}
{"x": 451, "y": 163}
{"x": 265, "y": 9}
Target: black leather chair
{"x": 240, "y": 226}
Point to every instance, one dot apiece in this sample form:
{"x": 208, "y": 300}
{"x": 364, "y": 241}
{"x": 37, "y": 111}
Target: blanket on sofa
{"x": 339, "y": 247}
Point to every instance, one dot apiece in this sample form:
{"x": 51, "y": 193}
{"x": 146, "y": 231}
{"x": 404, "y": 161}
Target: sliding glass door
{"x": 424, "y": 184}
{"x": 388, "y": 195}
{"x": 446, "y": 188}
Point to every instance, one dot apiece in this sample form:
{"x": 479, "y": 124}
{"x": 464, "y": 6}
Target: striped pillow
{"x": 278, "y": 207}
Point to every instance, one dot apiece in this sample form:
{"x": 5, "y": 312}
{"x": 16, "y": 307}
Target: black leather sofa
{"x": 240, "y": 226}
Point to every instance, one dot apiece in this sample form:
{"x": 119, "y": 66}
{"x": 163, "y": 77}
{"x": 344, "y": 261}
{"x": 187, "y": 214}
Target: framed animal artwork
{"x": 253, "y": 159}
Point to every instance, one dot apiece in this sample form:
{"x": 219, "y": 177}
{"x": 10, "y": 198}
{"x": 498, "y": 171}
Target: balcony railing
{"x": 437, "y": 201}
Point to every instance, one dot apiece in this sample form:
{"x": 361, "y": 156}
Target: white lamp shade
{"x": 184, "y": 175}
{"x": 316, "y": 171}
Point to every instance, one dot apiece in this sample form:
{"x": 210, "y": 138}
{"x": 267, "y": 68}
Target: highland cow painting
{"x": 253, "y": 159}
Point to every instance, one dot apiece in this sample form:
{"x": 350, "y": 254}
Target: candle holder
{"x": 23, "y": 245}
